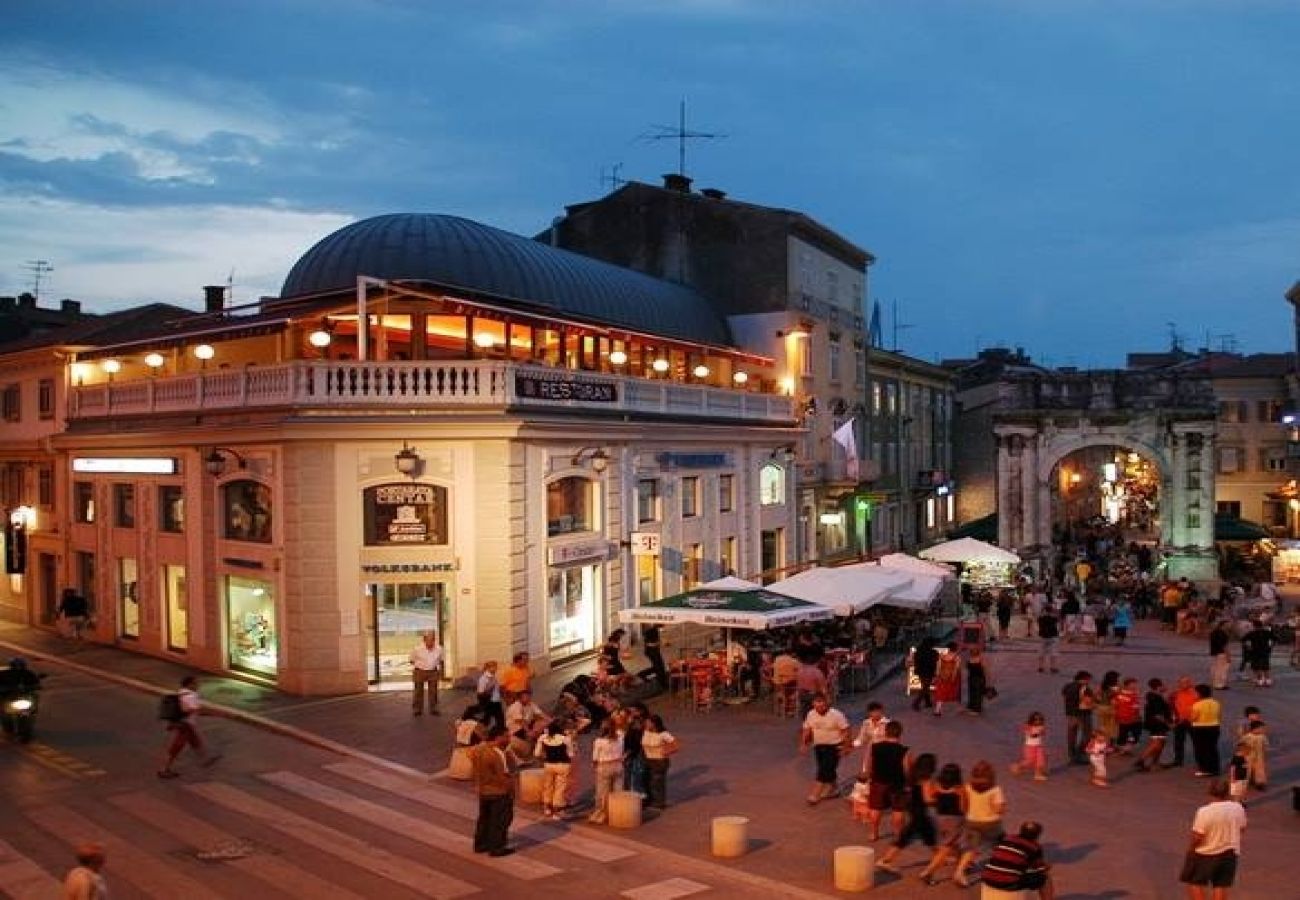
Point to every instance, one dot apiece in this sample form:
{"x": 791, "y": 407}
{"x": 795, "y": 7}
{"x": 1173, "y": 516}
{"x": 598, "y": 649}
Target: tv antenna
{"x": 897, "y": 325}
{"x": 681, "y": 134}
{"x": 1175, "y": 339}
{"x": 611, "y": 178}
{"x": 38, "y": 269}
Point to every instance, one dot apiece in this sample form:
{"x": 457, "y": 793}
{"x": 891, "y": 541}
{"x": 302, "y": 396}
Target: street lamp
{"x": 597, "y": 456}
{"x": 215, "y": 462}
{"x": 407, "y": 461}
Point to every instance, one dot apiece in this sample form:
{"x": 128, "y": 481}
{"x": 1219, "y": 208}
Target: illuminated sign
{"x": 645, "y": 543}
{"x": 405, "y": 513}
{"x": 124, "y": 465}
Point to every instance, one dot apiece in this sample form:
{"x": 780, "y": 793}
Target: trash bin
{"x": 624, "y": 809}
{"x": 730, "y": 836}
{"x": 855, "y": 868}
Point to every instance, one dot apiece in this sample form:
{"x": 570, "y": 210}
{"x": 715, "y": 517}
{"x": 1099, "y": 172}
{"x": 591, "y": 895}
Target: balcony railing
{"x": 437, "y": 385}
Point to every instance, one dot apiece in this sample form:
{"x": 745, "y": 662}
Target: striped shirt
{"x": 1015, "y": 865}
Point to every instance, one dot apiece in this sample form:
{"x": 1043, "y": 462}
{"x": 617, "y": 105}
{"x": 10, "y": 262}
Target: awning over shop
{"x": 965, "y": 550}
{"x": 754, "y": 609}
{"x": 902, "y": 562}
{"x": 846, "y": 590}
{"x": 1230, "y": 528}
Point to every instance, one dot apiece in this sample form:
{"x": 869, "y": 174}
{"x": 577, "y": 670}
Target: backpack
{"x": 169, "y": 708}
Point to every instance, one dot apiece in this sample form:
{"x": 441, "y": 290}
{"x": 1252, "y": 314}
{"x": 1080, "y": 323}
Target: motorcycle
{"x": 19, "y": 687}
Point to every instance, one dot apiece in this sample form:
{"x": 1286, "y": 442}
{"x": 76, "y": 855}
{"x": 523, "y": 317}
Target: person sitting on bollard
{"x": 1017, "y": 865}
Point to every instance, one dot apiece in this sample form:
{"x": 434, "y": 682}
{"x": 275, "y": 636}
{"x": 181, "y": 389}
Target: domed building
{"x": 437, "y": 425}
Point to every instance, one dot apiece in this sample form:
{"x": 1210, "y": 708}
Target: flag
{"x": 847, "y": 438}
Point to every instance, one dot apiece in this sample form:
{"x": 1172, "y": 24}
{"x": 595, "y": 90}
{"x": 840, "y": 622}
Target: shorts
{"x": 1219, "y": 870}
{"x": 881, "y": 796}
{"x": 983, "y": 835}
{"x": 951, "y": 829}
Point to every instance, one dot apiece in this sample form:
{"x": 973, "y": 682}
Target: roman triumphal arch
{"x": 1162, "y": 421}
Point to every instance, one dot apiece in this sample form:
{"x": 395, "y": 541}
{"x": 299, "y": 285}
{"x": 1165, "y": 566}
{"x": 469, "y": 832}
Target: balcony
{"x": 381, "y": 386}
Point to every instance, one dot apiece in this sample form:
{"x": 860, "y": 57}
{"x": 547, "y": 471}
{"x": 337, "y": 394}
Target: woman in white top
{"x": 607, "y": 760}
{"x": 658, "y": 745}
{"x": 985, "y": 805}
{"x": 556, "y": 751}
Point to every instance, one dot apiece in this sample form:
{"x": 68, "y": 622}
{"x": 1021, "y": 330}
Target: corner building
{"x": 437, "y": 424}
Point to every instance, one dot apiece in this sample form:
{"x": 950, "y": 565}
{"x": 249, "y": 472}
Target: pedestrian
{"x": 890, "y": 763}
{"x": 985, "y": 806}
{"x": 86, "y": 881}
{"x": 925, "y": 665}
{"x": 659, "y": 745}
{"x": 1220, "y": 657}
{"x": 525, "y": 720}
{"x": 1184, "y": 696}
{"x": 557, "y": 752}
{"x": 632, "y": 727}
{"x": 947, "y": 678}
{"x": 184, "y": 729}
{"x": 1211, "y": 859}
{"x": 488, "y": 690}
{"x": 1033, "y": 753}
{"x": 1258, "y": 647}
{"x": 1049, "y": 636}
{"x": 73, "y": 612}
{"x": 871, "y": 732}
{"x": 426, "y": 671}
{"x": 607, "y": 764}
{"x": 652, "y": 646}
{"x": 826, "y": 732}
{"x": 1103, "y": 704}
{"x": 1005, "y": 608}
{"x": 809, "y": 681}
{"x": 1099, "y": 747}
{"x": 1122, "y": 621}
{"x": 516, "y": 678}
{"x": 1128, "y": 716}
{"x": 1017, "y": 866}
{"x": 1157, "y": 717}
{"x": 1078, "y": 699}
{"x": 1256, "y": 741}
{"x": 979, "y": 684}
{"x": 1206, "y": 723}
{"x": 1239, "y": 773}
{"x": 920, "y": 796}
{"x": 494, "y": 780}
{"x": 949, "y": 799}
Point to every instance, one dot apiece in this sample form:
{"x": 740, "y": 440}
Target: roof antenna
{"x": 898, "y": 326}
{"x": 681, "y": 134}
{"x": 612, "y": 179}
{"x": 38, "y": 268}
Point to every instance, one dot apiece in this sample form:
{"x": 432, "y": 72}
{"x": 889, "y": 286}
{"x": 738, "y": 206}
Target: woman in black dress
{"x": 977, "y": 681}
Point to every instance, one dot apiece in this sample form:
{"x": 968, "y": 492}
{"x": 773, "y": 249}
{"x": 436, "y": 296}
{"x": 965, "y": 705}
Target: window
{"x": 804, "y": 350}
{"x": 771, "y": 485}
{"x": 11, "y": 403}
{"x": 569, "y": 506}
{"x": 171, "y": 508}
{"x": 1229, "y": 508}
{"x": 833, "y": 360}
{"x": 859, "y": 369}
{"x": 254, "y": 643}
{"x": 691, "y": 566}
{"x": 45, "y": 486}
{"x": 178, "y": 607}
{"x": 727, "y": 556}
{"x": 13, "y": 492}
{"x": 877, "y": 391}
{"x": 86, "y": 576}
{"x": 83, "y": 501}
{"x": 690, "y": 497}
{"x": 647, "y": 500}
{"x": 1272, "y": 459}
{"x": 891, "y": 399}
{"x": 1233, "y": 411}
{"x": 45, "y": 398}
{"x": 1229, "y": 460}
{"x": 247, "y": 511}
{"x": 726, "y": 492}
{"x": 124, "y": 505}
{"x": 833, "y": 286}
{"x": 128, "y": 597}
{"x": 1269, "y": 410}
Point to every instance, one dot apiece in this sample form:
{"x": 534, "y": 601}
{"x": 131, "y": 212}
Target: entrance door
{"x": 47, "y": 576}
{"x": 399, "y": 614}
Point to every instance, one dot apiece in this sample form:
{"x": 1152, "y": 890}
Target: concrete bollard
{"x": 530, "y": 785}
{"x": 855, "y": 869}
{"x": 624, "y": 809}
{"x": 730, "y": 836}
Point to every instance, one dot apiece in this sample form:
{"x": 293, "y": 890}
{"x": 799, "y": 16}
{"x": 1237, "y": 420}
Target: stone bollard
{"x": 854, "y": 868}
{"x": 730, "y": 836}
{"x": 624, "y": 809}
{"x": 530, "y": 785}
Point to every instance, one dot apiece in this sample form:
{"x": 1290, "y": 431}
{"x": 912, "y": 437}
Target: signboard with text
{"x": 561, "y": 387}
{"x": 405, "y": 513}
{"x": 645, "y": 543}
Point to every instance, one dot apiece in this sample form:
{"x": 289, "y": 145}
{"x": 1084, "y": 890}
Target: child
{"x": 1256, "y": 743}
{"x": 1033, "y": 753}
{"x": 858, "y": 797}
{"x": 1239, "y": 773}
{"x": 1098, "y": 748}
{"x": 1128, "y": 715}
{"x": 1251, "y": 714}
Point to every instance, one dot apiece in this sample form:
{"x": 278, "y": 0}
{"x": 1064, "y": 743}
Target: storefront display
{"x": 128, "y": 597}
{"x": 573, "y": 602}
{"x": 178, "y": 607}
{"x": 253, "y": 639}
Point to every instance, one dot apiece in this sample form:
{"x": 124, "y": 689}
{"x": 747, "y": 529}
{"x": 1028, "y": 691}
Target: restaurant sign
{"x": 537, "y": 386}
{"x": 405, "y": 513}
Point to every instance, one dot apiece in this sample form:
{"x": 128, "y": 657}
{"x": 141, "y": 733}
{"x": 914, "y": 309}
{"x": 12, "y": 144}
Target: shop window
{"x": 647, "y": 578}
{"x": 83, "y": 502}
{"x": 405, "y": 514}
{"x": 171, "y": 508}
{"x": 727, "y": 556}
{"x": 771, "y": 485}
{"x": 246, "y": 511}
{"x": 128, "y": 597}
{"x": 45, "y": 486}
{"x": 647, "y": 500}
{"x": 573, "y": 602}
{"x": 569, "y": 505}
{"x": 176, "y": 599}
{"x": 726, "y": 493}
{"x": 254, "y": 642}
{"x": 690, "y": 497}
{"x": 124, "y": 505}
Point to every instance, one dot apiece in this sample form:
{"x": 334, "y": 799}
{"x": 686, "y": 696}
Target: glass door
{"x": 399, "y": 614}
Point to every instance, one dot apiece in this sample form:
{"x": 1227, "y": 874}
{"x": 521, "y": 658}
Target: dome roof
{"x": 460, "y": 253}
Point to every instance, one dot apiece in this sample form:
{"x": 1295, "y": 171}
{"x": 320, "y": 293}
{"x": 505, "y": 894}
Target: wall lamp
{"x": 215, "y": 462}
{"x": 407, "y": 461}
{"x": 597, "y": 456}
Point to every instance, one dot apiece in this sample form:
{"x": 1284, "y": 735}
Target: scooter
{"x": 19, "y": 688}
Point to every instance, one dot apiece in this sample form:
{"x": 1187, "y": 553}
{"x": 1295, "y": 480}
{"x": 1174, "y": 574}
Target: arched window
{"x": 771, "y": 485}
{"x": 570, "y": 505}
{"x": 246, "y": 511}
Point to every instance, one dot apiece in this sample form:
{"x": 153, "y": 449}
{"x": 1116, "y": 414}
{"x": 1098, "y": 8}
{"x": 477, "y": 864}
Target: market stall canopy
{"x": 755, "y": 609}
{"x": 902, "y": 562}
{"x": 964, "y": 550}
{"x": 1230, "y": 528}
{"x": 729, "y": 583}
{"x": 918, "y": 595}
{"x": 847, "y": 589}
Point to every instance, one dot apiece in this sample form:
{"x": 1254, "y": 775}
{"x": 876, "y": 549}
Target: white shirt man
{"x": 426, "y": 669}
{"x": 826, "y": 731}
{"x": 524, "y": 718}
{"x": 1215, "y": 845}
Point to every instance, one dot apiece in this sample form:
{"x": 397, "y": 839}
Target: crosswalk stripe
{"x": 408, "y": 826}
{"x": 150, "y": 874}
{"x": 670, "y": 889}
{"x": 23, "y": 879}
{"x": 457, "y": 804}
{"x": 196, "y": 833}
{"x": 421, "y": 879}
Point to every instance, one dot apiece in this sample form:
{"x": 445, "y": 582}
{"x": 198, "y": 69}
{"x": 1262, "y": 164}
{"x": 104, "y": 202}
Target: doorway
{"x": 48, "y": 578}
{"x": 398, "y": 615}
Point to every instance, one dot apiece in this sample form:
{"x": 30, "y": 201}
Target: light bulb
{"x": 740, "y": 377}
{"x": 154, "y": 360}
{"x": 701, "y": 371}
{"x": 111, "y": 366}
{"x": 484, "y": 340}
{"x": 660, "y": 365}
{"x": 320, "y": 338}
{"x": 618, "y": 357}
{"x": 204, "y": 351}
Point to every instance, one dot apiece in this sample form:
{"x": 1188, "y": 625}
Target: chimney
{"x": 214, "y": 298}
{"x": 679, "y": 183}
{"x": 71, "y": 307}
{"x": 714, "y": 194}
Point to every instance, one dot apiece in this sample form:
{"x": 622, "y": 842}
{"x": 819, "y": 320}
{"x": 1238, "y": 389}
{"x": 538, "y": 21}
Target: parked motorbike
{"x": 19, "y": 689}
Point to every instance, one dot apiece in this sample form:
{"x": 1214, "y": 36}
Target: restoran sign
{"x": 534, "y": 386}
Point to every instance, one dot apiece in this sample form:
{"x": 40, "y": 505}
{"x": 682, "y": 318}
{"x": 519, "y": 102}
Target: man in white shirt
{"x": 426, "y": 669}
{"x": 826, "y": 731}
{"x": 184, "y": 732}
{"x": 85, "y": 882}
{"x": 525, "y": 719}
{"x": 1216, "y": 843}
